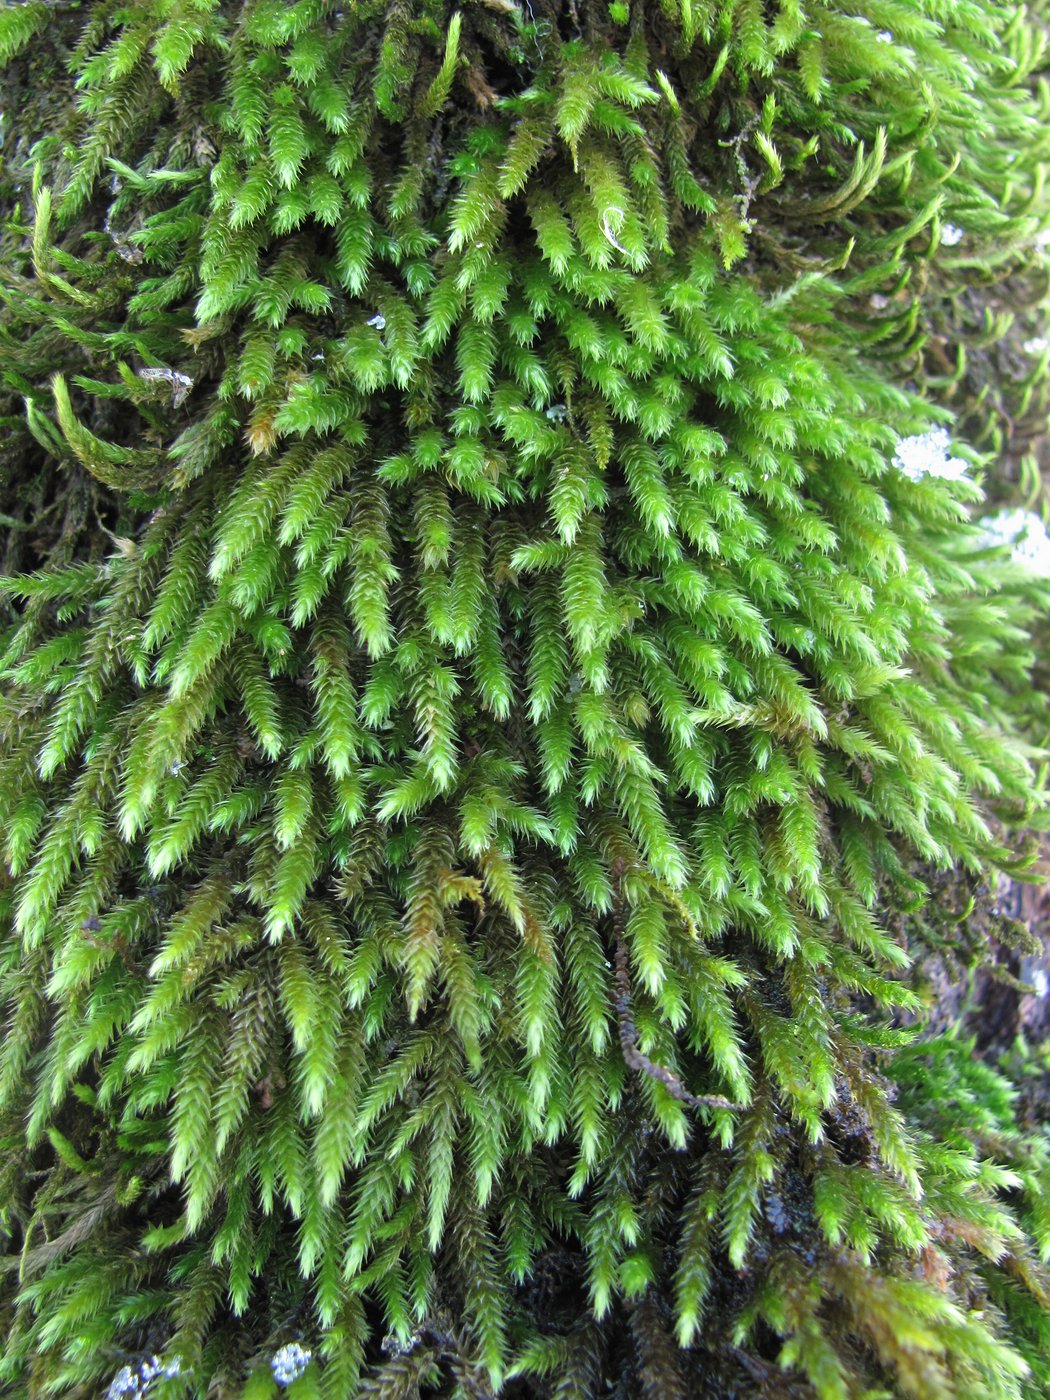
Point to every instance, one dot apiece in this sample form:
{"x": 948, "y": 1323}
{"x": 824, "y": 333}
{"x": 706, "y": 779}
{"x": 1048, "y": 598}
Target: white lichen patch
{"x": 1024, "y": 533}
{"x": 181, "y": 384}
{"x": 927, "y": 454}
{"x": 289, "y": 1362}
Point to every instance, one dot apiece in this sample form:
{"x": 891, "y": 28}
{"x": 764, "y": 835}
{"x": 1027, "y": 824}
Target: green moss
{"x": 486, "y": 689}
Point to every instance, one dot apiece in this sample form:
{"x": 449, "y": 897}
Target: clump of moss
{"x": 482, "y": 686}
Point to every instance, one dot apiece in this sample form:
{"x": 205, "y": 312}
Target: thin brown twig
{"x": 636, "y": 1058}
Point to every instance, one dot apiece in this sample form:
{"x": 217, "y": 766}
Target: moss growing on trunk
{"x": 492, "y": 640}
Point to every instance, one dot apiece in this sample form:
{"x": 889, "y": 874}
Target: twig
{"x": 749, "y": 183}
{"x": 635, "y": 1058}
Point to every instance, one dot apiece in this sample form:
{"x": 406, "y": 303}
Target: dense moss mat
{"x": 483, "y": 704}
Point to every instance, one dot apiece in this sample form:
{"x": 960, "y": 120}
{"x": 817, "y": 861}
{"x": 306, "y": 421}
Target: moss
{"x": 490, "y": 739}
